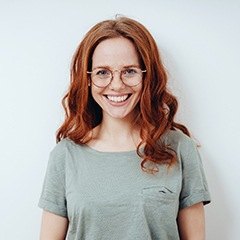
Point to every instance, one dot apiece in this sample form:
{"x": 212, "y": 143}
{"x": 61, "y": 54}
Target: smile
{"x": 118, "y": 99}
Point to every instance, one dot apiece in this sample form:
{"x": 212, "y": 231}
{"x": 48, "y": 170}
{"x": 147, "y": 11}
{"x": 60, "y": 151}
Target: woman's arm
{"x": 53, "y": 227}
{"x": 191, "y": 222}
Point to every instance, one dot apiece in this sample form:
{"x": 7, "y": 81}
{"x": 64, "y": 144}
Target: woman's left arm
{"x": 191, "y": 222}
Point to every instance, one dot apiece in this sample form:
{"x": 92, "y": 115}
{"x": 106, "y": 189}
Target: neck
{"x": 116, "y": 129}
{"x": 116, "y": 135}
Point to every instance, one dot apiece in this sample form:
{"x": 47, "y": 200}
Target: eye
{"x": 130, "y": 71}
{"x": 103, "y": 73}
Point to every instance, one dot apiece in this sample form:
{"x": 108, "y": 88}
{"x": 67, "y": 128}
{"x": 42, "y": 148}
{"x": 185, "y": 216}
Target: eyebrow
{"x": 124, "y": 67}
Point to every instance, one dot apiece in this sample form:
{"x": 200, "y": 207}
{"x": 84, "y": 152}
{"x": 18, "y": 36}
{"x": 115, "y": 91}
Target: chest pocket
{"x": 160, "y": 209}
{"x": 158, "y": 195}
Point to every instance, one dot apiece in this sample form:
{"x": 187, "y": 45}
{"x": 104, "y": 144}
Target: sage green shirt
{"x": 106, "y": 195}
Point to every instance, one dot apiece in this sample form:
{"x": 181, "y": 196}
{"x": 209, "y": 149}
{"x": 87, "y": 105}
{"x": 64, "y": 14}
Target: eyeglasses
{"x": 102, "y": 77}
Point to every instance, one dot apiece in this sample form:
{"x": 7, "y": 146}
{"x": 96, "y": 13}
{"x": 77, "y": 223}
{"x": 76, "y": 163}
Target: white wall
{"x": 199, "y": 41}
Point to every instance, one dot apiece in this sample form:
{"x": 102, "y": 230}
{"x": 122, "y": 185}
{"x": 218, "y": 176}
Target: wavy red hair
{"x": 157, "y": 106}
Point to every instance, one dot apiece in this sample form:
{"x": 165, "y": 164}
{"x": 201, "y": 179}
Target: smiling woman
{"x": 117, "y": 99}
{"x": 122, "y": 168}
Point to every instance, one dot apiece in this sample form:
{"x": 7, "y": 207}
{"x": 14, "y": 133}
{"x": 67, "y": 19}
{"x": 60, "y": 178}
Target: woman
{"x": 122, "y": 168}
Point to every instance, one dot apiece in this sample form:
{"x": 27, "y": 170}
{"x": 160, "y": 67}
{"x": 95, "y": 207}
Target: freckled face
{"x": 116, "y": 100}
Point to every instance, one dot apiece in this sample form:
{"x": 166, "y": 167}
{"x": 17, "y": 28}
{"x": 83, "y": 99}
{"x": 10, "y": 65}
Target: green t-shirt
{"x": 107, "y": 196}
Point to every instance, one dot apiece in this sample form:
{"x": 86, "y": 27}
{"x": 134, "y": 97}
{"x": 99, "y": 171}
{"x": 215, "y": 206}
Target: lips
{"x": 118, "y": 99}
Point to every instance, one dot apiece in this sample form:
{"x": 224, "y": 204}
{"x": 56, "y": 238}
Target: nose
{"x": 116, "y": 83}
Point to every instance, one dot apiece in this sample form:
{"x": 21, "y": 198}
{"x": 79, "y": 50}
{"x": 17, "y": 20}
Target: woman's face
{"x": 117, "y": 100}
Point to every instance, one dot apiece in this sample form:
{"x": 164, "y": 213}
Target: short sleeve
{"x": 53, "y": 197}
{"x": 194, "y": 183}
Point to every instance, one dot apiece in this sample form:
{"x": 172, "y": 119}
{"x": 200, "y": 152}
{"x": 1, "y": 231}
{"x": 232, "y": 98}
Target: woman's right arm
{"x": 53, "y": 227}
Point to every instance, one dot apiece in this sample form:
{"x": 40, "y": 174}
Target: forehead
{"x": 115, "y": 53}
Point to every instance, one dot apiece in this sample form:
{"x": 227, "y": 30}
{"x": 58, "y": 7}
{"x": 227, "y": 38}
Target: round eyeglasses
{"x": 102, "y": 77}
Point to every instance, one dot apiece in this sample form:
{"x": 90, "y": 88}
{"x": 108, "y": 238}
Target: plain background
{"x": 199, "y": 42}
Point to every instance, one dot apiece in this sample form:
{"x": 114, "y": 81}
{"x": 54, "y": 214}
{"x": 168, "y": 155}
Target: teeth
{"x": 117, "y": 98}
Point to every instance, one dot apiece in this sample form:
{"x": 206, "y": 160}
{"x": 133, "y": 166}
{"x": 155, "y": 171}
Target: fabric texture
{"x": 106, "y": 195}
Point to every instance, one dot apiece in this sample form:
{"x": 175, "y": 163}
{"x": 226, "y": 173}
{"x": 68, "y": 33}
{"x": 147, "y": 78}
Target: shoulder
{"x": 185, "y": 148}
{"x": 64, "y": 145}
{"x": 177, "y": 137}
{"x": 181, "y": 143}
{"x": 61, "y": 151}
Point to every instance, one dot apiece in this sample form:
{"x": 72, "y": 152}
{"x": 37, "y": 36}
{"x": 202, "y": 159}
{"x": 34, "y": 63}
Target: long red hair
{"x": 157, "y": 106}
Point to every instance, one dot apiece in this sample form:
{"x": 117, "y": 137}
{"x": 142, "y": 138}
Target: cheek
{"x": 138, "y": 91}
{"x": 139, "y": 94}
{"x": 96, "y": 93}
